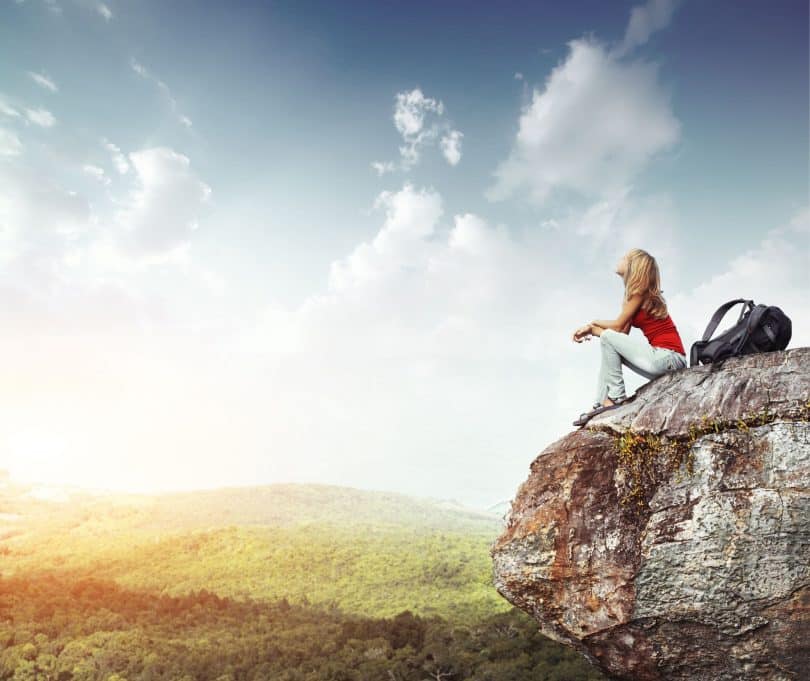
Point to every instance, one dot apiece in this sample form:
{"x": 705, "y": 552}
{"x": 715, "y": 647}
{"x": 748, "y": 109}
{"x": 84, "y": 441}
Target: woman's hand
{"x": 582, "y": 333}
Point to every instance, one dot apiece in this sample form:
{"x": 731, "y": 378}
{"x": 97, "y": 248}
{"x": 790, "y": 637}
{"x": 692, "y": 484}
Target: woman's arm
{"x": 596, "y": 330}
{"x": 629, "y": 309}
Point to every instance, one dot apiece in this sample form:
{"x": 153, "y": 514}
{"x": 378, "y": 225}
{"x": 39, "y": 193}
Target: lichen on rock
{"x": 670, "y": 537}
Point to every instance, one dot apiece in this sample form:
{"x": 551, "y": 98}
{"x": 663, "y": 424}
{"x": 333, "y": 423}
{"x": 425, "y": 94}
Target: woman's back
{"x": 661, "y": 333}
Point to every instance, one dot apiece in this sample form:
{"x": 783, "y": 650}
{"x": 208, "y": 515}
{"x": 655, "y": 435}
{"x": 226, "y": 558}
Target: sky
{"x": 347, "y": 243}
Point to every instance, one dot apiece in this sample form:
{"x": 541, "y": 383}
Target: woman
{"x": 661, "y": 349}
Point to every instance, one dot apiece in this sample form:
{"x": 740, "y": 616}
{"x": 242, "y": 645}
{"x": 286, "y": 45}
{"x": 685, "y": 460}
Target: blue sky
{"x": 348, "y": 242}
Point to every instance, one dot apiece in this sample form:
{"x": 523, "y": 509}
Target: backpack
{"x": 759, "y": 328}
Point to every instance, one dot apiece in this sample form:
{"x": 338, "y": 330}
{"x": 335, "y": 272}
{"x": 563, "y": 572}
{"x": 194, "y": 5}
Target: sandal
{"x": 586, "y": 416}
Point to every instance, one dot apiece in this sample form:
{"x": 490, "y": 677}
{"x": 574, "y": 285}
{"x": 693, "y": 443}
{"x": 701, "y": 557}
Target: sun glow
{"x": 31, "y": 454}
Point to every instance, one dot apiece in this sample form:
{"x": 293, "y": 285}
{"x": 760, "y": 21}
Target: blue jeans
{"x": 635, "y": 352}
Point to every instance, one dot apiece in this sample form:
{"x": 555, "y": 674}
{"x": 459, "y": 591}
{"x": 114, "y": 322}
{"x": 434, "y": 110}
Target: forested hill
{"x": 370, "y": 553}
{"x": 276, "y": 505}
{"x": 294, "y": 582}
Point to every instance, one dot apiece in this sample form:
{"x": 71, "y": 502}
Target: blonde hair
{"x": 642, "y": 276}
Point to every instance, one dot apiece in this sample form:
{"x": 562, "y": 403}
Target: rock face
{"x": 655, "y": 572}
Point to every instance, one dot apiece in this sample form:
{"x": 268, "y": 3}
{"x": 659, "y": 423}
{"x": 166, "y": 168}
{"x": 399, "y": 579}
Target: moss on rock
{"x": 646, "y": 459}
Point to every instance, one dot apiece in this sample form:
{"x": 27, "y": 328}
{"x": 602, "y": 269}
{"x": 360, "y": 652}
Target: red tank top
{"x": 661, "y": 333}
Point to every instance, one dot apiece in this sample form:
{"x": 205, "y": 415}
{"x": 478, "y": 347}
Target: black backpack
{"x": 760, "y": 328}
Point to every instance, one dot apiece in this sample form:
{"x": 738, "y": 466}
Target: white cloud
{"x": 139, "y": 68}
{"x": 104, "y": 11}
{"x": 644, "y": 21}
{"x": 78, "y": 343}
{"x": 417, "y": 119}
{"x": 7, "y": 110}
{"x": 143, "y": 72}
{"x": 383, "y": 167}
{"x": 41, "y": 117}
{"x": 118, "y": 159}
{"x": 619, "y": 221}
{"x": 410, "y": 110}
{"x": 214, "y": 281}
{"x": 433, "y": 343}
{"x": 163, "y": 210}
{"x": 48, "y": 226}
{"x": 773, "y": 273}
{"x": 64, "y": 265}
{"x": 96, "y": 172}
{"x": 91, "y": 326}
{"x": 441, "y": 341}
{"x": 39, "y": 219}
{"x": 451, "y": 146}
{"x": 10, "y": 144}
{"x": 43, "y": 81}
{"x": 410, "y": 216}
{"x": 518, "y": 75}
{"x": 596, "y": 124}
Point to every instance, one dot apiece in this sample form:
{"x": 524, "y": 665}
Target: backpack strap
{"x": 750, "y": 324}
{"x": 721, "y": 312}
{"x": 769, "y": 333}
{"x": 693, "y": 353}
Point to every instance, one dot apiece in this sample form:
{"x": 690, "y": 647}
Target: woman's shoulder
{"x": 640, "y": 313}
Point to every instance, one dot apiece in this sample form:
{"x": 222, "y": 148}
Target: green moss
{"x": 646, "y": 459}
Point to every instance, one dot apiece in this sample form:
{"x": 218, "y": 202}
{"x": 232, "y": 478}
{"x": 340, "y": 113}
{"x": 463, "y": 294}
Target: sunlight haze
{"x": 347, "y": 243}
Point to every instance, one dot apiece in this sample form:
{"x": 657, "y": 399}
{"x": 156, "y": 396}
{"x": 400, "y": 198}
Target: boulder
{"x": 669, "y": 538}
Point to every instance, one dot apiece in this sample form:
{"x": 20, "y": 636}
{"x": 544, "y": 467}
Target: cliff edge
{"x": 670, "y": 537}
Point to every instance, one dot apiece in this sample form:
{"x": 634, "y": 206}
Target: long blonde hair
{"x": 642, "y": 276}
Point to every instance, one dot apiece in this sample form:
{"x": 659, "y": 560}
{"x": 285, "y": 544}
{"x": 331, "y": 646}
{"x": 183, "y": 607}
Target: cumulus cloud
{"x": 41, "y": 117}
{"x": 594, "y": 126}
{"x": 447, "y": 338}
{"x": 7, "y": 109}
{"x": 644, "y": 21}
{"x": 10, "y": 144}
{"x": 139, "y": 68}
{"x": 773, "y": 273}
{"x": 51, "y": 228}
{"x": 410, "y": 110}
{"x": 451, "y": 146}
{"x": 410, "y": 217}
{"x": 144, "y": 73}
{"x": 163, "y": 209}
{"x": 43, "y": 81}
{"x": 67, "y": 267}
{"x": 383, "y": 167}
{"x": 39, "y": 219}
{"x": 118, "y": 158}
{"x": 104, "y": 11}
{"x": 96, "y": 172}
{"x": 75, "y": 342}
{"x": 418, "y": 120}
{"x": 409, "y": 118}
{"x": 432, "y": 324}
{"x": 622, "y": 220}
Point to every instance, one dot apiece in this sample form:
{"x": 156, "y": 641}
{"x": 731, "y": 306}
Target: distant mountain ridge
{"x": 277, "y": 505}
{"x": 372, "y": 553}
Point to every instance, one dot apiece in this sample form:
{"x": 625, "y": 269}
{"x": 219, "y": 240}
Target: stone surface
{"x": 710, "y": 578}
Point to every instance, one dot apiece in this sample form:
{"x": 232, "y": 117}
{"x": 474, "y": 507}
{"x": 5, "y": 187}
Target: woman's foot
{"x": 607, "y": 403}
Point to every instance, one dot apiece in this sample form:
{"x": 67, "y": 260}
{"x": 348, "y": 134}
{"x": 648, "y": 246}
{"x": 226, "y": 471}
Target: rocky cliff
{"x": 670, "y": 537}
